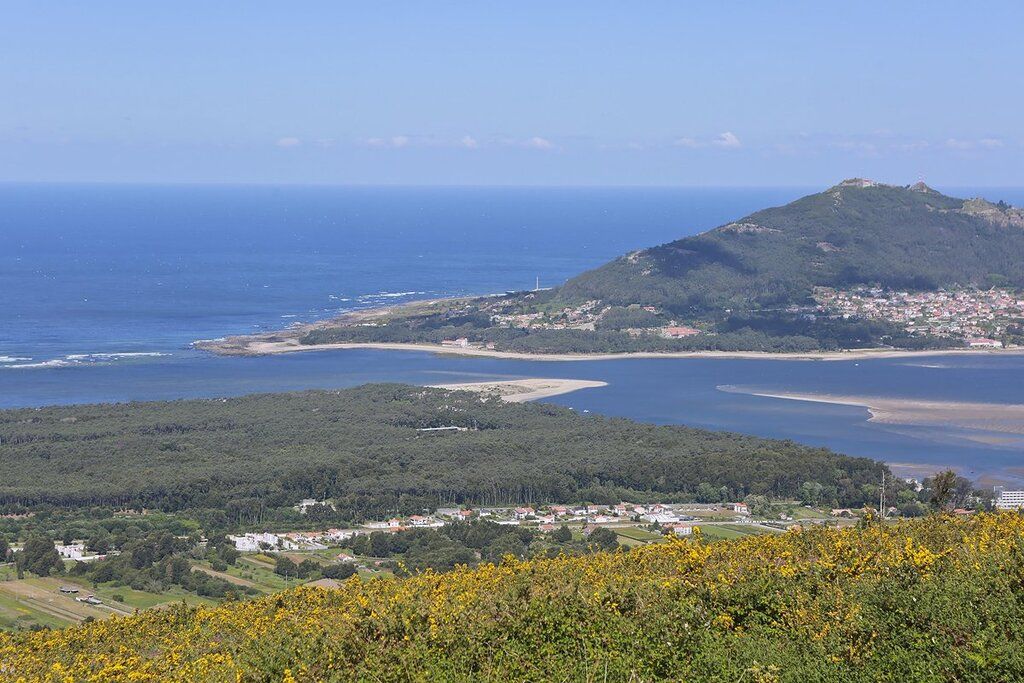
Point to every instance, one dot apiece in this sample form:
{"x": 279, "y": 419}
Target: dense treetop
{"x": 361, "y": 447}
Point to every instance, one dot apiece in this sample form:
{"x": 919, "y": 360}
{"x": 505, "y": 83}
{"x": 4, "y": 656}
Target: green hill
{"x": 936, "y": 599}
{"x": 856, "y": 233}
{"x": 784, "y": 279}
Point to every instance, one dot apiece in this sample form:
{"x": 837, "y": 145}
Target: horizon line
{"x": 358, "y": 185}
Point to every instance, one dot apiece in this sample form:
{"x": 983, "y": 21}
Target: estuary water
{"x": 102, "y": 289}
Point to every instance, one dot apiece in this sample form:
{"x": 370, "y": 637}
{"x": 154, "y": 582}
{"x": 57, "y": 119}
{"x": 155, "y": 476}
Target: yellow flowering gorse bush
{"x": 931, "y": 599}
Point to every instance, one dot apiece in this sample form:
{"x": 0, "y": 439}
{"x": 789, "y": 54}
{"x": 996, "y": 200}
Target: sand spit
{"x": 519, "y": 390}
{"x": 269, "y": 345}
{"x": 993, "y": 418}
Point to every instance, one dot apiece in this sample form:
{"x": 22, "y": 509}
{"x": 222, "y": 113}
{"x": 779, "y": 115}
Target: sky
{"x": 585, "y": 92}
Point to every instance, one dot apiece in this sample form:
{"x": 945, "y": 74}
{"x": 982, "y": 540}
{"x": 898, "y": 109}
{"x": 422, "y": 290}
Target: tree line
{"x": 245, "y": 459}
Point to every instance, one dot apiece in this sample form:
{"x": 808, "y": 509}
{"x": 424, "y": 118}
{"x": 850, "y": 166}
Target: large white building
{"x": 1010, "y": 500}
{"x": 253, "y": 542}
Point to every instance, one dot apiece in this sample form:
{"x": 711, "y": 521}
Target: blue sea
{"x": 103, "y": 288}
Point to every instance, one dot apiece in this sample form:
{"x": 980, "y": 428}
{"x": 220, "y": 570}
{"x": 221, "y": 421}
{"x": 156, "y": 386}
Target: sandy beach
{"x": 259, "y": 345}
{"x": 287, "y": 341}
{"x": 519, "y": 390}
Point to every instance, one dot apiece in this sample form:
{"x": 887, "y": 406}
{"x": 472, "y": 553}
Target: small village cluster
{"x": 584, "y": 316}
{"x": 980, "y": 317}
{"x": 671, "y": 518}
{"x": 679, "y": 519}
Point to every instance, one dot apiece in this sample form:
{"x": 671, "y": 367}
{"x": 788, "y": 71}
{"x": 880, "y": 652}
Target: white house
{"x": 252, "y": 542}
{"x": 660, "y": 518}
{"x": 307, "y": 503}
{"x": 523, "y": 512}
{"x": 71, "y": 551}
{"x": 1010, "y": 500}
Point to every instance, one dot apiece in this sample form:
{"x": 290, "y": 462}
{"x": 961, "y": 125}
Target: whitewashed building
{"x": 1010, "y": 500}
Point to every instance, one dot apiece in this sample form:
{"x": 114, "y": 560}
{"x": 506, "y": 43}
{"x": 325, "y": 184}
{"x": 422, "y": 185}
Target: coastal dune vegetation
{"x": 932, "y": 599}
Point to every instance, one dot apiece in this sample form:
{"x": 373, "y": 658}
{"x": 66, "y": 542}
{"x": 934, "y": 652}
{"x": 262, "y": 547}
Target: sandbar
{"x": 989, "y": 419}
{"x": 519, "y": 390}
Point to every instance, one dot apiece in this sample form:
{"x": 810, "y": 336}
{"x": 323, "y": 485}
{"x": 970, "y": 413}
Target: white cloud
{"x": 912, "y": 146}
{"x": 539, "y": 143}
{"x": 393, "y": 142}
{"x": 965, "y": 144}
{"x": 954, "y": 143}
{"x": 288, "y": 142}
{"x": 469, "y": 142}
{"x": 727, "y": 140}
{"x": 859, "y": 147}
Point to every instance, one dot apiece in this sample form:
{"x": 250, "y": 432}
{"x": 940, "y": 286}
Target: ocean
{"x": 103, "y": 288}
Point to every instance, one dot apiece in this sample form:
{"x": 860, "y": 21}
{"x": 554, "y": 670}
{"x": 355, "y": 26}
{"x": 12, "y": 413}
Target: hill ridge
{"x": 857, "y": 232}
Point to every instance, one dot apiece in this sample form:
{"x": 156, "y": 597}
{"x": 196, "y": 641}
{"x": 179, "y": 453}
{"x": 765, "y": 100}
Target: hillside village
{"x": 980, "y": 317}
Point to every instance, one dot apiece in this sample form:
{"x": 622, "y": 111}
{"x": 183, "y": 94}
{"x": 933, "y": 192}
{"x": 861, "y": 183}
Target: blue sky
{"x": 525, "y": 93}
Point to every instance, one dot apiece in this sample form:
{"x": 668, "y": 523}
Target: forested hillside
{"x": 856, "y": 233}
{"x": 362, "y": 448}
{"x": 935, "y": 599}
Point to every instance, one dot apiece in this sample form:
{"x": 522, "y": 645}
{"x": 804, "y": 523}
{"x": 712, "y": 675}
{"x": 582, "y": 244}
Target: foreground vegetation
{"x": 935, "y": 599}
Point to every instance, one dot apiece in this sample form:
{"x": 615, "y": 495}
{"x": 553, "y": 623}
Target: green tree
{"x": 561, "y": 535}
{"x": 943, "y": 486}
{"x": 308, "y": 567}
{"x": 760, "y": 506}
{"x": 810, "y": 492}
{"x": 99, "y": 542}
{"x": 40, "y": 555}
{"x": 338, "y": 571}
{"x": 706, "y": 493}
{"x": 380, "y": 544}
{"x": 603, "y": 538}
{"x": 285, "y": 567}
{"x": 229, "y": 554}
{"x": 508, "y": 544}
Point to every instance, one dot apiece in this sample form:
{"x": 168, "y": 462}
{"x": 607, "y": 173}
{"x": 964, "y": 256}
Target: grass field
{"x": 630, "y": 536}
{"x": 799, "y": 512}
{"x": 37, "y": 601}
{"x": 728, "y": 532}
{"x": 250, "y": 571}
